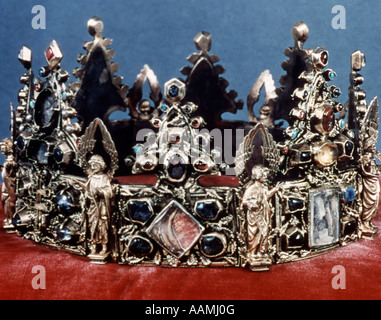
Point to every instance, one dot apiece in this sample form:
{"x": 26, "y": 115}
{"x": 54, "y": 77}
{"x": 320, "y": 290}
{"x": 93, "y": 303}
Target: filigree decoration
{"x": 258, "y": 147}
{"x": 88, "y": 143}
{"x": 173, "y": 261}
{"x": 135, "y": 95}
{"x": 267, "y": 110}
{"x": 192, "y": 260}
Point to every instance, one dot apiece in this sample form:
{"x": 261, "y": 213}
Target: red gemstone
{"x": 156, "y": 123}
{"x": 49, "y": 54}
{"x": 201, "y": 166}
{"x": 328, "y": 119}
{"x": 301, "y": 115}
{"x": 147, "y": 165}
{"x": 324, "y": 57}
{"x": 285, "y": 150}
{"x": 195, "y": 123}
{"x": 37, "y": 87}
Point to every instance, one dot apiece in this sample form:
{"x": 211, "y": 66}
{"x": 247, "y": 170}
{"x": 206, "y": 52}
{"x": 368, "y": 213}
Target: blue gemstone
{"x": 64, "y": 203}
{"x": 16, "y": 220}
{"x": 336, "y": 93}
{"x": 332, "y": 75}
{"x": 350, "y": 194}
{"x": 294, "y": 133}
{"x": 349, "y": 147}
{"x": 173, "y": 91}
{"x": 305, "y": 157}
{"x": 164, "y": 107}
{"x": 20, "y": 142}
{"x": 296, "y": 239}
{"x": 64, "y": 95}
{"x": 295, "y": 204}
{"x": 31, "y": 103}
{"x": 342, "y": 123}
{"x": 176, "y": 171}
{"x": 176, "y": 167}
{"x": 64, "y": 234}
{"x": 139, "y": 211}
{"x": 58, "y": 155}
{"x": 138, "y": 149}
{"x": 140, "y": 246}
{"x": 212, "y": 245}
{"x": 207, "y": 209}
{"x": 41, "y": 72}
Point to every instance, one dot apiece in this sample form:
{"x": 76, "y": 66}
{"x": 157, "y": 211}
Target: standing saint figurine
{"x": 369, "y": 171}
{"x": 256, "y": 202}
{"x": 99, "y": 193}
{"x": 8, "y": 190}
{"x": 370, "y": 194}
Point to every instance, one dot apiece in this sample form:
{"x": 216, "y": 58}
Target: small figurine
{"x": 98, "y": 189}
{"x": 8, "y": 195}
{"x": 258, "y": 213}
{"x": 368, "y": 169}
{"x": 99, "y": 192}
{"x": 370, "y": 195}
{"x": 258, "y": 146}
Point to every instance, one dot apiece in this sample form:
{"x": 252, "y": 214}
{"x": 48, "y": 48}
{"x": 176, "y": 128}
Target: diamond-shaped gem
{"x": 175, "y": 229}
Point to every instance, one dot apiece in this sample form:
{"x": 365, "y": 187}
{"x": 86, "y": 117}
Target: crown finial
{"x": 357, "y": 60}
{"x": 300, "y": 34}
{"x": 95, "y": 27}
{"x": 203, "y": 41}
{"x": 25, "y": 57}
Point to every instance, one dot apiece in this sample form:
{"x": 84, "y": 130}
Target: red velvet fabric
{"x": 206, "y": 181}
{"x": 73, "y": 277}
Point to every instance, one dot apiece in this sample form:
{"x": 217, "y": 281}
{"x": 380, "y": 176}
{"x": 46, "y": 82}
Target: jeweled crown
{"x": 158, "y": 189}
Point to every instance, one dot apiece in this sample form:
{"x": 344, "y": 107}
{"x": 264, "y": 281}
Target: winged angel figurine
{"x": 256, "y": 164}
{"x": 369, "y": 170}
{"x": 99, "y": 193}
